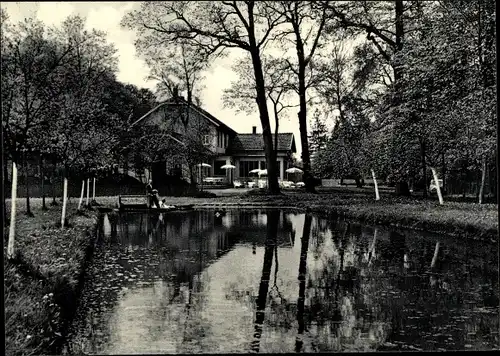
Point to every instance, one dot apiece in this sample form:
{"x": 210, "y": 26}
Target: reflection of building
{"x": 251, "y": 226}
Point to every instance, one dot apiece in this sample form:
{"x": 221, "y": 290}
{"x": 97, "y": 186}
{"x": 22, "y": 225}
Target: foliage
{"x": 430, "y": 98}
{"x": 211, "y": 28}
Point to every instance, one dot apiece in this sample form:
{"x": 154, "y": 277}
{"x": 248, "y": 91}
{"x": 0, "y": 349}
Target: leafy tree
{"x": 211, "y": 28}
{"x": 242, "y": 96}
{"x": 306, "y": 24}
{"x": 319, "y": 134}
{"x": 30, "y": 65}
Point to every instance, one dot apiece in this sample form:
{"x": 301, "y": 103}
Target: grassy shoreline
{"x": 457, "y": 219}
{"x": 42, "y": 284}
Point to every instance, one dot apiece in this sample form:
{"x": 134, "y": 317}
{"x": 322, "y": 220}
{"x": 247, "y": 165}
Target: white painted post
{"x": 377, "y": 196}
{"x": 435, "y": 257}
{"x": 371, "y": 250}
{"x": 81, "y": 195}
{"x": 87, "y": 202}
{"x": 13, "y": 199}
{"x": 93, "y": 190}
{"x": 65, "y": 202}
{"x": 438, "y": 188}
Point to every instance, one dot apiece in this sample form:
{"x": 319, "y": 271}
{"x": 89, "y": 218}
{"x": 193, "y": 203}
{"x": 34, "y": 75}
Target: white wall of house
{"x": 238, "y": 160}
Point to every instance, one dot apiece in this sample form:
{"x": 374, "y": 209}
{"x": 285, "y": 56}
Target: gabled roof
{"x": 181, "y": 101}
{"x": 255, "y": 142}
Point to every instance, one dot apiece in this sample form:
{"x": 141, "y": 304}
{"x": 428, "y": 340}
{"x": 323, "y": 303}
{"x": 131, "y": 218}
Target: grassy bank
{"x": 458, "y": 219}
{"x": 41, "y": 285}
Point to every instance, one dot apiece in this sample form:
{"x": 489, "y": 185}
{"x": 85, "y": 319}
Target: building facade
{"x": 245, "y": 151}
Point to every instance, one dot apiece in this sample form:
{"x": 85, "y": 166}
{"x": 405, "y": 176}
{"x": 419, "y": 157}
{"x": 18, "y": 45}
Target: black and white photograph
{"x": 221, "y": 177}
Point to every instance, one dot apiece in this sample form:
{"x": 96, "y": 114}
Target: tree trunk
{"x": 65, "y": 201}
{"x": 54, "y": 202}
{"x": 276, "y": 130}
{"x": 464, "y": 177}
{"x": 13, "y": 199}
{"x": 5, "y": 172}
{"x": 443, "y": 172}
{"x": 306, "y": 159}
{"x": 483, "y": 180}
{"x": 4, "y": 181}
{"x": 28, "y": 206}
{"x": 87, "y": 202}
{"x": 93, "y": 190}
{"x": 42, "y": 182}
{"x": 80, "y": 201}
{"x": 271, "y": 236}
{"x": 424, "y": 166}
{"x": 302, "y": 281}
{"x": 272, "y": 178}
{"x": 398, "y": 73}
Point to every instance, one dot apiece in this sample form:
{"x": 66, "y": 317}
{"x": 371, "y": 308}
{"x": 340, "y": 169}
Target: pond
{"x": 271, "y": 280}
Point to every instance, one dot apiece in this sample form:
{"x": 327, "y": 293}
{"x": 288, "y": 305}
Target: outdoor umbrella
{"x": 228, "y": 166}
{"x": 204, "y": 165}
{"x": 262, "y": 172}
{"x": 294, "y": 170}
{"x": 256, "y": 170}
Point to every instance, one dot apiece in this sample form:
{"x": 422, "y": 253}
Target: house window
{"x": 219, "y": 171}
{"x": 247, "y": 166}
{"x": 263, "y": 165}
{"x": 206, "y": 139}
{"x": 226, "y": 139}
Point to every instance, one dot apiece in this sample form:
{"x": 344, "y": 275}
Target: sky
{"x": 106, "y": 16}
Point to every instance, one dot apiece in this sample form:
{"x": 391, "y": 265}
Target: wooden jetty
{"x": 144, "y": 207}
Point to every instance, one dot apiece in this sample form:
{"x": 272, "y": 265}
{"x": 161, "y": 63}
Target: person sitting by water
{"x": 164, "y": 205}
{"x": 152, "y": 194}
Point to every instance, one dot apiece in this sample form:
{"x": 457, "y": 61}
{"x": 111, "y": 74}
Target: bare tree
{"x": 213, "y": 27}
{"x": 241, "y": 95}
{"x": 306, "y": 26}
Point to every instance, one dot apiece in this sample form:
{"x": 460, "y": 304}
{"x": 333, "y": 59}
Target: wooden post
{"x": 87, "y": 202}
{"x": 371, "y": 250}
{"x": 438, "y": 188}
{"x": 13, "y": 199}
{"x": 65, "y": 201}
{"x": 377, "y": 196}
{"x": 93, "y": 190}
{"x": 81, "y": 195}
{"x": 483, "y": 179}
{"x": 435, "y": 257}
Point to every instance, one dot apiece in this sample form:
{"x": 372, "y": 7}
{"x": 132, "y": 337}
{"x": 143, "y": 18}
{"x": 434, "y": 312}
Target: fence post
{"x": 377, "y": 196}
{"x": 438, "y": 188}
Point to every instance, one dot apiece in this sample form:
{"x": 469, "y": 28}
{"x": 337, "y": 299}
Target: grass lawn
{"x": 40, "y": 285}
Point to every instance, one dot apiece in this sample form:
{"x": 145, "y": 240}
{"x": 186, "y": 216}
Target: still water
{"x": 278, "y": 281}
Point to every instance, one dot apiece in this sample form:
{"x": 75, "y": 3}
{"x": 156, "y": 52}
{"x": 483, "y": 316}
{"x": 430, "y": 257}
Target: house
{"x": 243, "y": 150}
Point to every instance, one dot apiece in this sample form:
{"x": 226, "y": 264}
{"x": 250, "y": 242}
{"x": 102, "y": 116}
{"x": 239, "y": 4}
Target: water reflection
{"x": 273, "y": 281}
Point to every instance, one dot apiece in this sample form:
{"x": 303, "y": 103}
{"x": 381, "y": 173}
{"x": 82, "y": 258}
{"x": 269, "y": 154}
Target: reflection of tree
{"x": 271, "y": 239}
{"x": 302, "y": 281}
